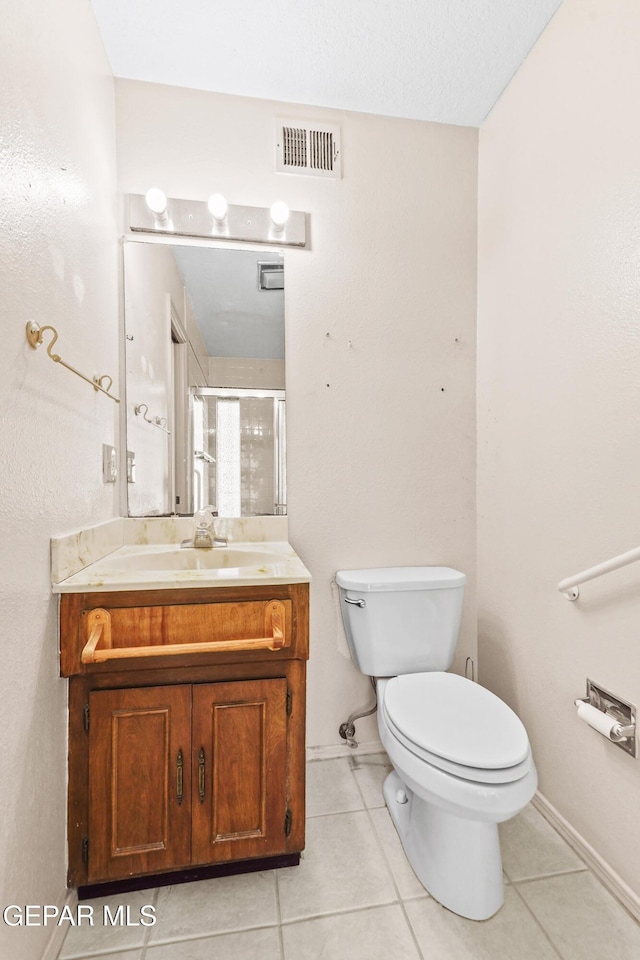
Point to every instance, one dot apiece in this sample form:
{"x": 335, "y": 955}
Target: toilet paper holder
{"x": 620, "y": 712}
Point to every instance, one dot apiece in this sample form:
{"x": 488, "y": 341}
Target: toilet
{"x": 461, "y": 757}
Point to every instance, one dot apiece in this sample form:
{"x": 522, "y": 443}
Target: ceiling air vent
{"x": 308, "y": 148}
{"x": 270, "y": 275}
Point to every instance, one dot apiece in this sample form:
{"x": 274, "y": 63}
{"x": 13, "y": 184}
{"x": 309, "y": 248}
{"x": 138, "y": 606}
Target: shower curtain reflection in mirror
{"x": 239, "y": 451}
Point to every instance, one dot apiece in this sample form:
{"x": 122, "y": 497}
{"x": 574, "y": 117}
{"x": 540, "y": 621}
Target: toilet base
{"x": 456, "y": 860}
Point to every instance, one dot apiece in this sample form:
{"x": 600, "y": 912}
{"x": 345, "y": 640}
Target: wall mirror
{"x": 205, "y": 389}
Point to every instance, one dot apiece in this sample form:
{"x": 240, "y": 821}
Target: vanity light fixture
{"x": 157, "y": 214}
{"x": 279, "y": 214}
{"x": 156, "y": 200}
{"x": 218, "y": 207}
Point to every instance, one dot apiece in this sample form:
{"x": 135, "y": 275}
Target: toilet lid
{"x": 456, "y": 719}
{"x": 381, "y": 579}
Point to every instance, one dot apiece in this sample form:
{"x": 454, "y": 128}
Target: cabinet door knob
{"x": 179, "y": 768}
{"x": 201, "y": 762}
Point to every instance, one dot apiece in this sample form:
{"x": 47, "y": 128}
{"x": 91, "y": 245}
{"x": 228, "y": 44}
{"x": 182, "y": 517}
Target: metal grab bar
{"x": 570, "y": 586}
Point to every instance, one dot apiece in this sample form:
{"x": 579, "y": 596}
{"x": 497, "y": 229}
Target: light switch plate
{"x": 109, "y": 464}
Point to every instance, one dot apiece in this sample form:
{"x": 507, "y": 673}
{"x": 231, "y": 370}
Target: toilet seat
{"x": 457, "y": 726}
{"x": 472, "y": 774}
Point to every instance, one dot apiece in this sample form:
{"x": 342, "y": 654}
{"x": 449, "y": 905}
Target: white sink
{"x": 162, "y": 566}
{"x": 188, "y": 558}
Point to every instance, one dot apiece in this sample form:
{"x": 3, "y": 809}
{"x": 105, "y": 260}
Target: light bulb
{"x": 279, "y": 214}
{"x": 217, "y": 207}
{"x": 156, "y": 200}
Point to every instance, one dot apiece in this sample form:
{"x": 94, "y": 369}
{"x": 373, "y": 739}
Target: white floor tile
{"x": 582, "y": 918}
{"x": 381, "y": 933}
{"x": 342, "y": 869}
{"x": 248, "y": 945}
{"x": 512, "y": 933}
{"x": 341, "y": 902}
{"x": 85, "y": 941}
{"x": 331, "y": 788}
{"x": 121, "y": 955}
{"x": 532, "y": 848}
{"x": 370, "y": 772}
{"x": 222, "y": 905}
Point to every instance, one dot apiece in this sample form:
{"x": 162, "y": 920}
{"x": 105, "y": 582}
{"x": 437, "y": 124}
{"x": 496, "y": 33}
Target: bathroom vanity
{"x": 186, "y": 711}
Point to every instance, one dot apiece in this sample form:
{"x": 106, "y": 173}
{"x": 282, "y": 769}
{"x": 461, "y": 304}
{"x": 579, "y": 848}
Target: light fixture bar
{"x": 192, "y": 218}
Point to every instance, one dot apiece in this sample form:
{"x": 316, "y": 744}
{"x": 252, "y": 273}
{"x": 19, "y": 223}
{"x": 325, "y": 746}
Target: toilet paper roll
{"x": 600, "y": 721}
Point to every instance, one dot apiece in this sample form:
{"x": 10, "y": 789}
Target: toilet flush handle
{"x": 356, "y": 603}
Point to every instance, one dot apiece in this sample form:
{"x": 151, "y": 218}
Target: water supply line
{"x": 347, "y": 730}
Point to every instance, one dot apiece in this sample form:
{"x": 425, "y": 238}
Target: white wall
{"x": 242, "y": 372}
{"x": 151, "y": 281}
{"x": 559, "y": 395}
{"x": 58, "y": 253}
{"x": 380, "y": 338}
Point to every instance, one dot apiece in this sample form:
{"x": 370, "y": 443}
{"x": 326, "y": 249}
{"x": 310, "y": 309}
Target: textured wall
{"x": 58, "y": 260}
{"x": 380, "y": 338}
{"x": 559, "y": 393}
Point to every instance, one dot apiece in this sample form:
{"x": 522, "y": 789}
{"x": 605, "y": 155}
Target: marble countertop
{"x": 164, "y": 566}
{"x": 105, "y": 559}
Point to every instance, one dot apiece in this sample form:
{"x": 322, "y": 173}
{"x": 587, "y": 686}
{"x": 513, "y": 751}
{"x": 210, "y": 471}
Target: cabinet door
{"x": 139, "y": 781}
{"x": 239, "y": 765}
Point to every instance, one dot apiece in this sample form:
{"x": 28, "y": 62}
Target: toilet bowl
{"x": 462, "y": 764}
{"x": 461, "y": 757}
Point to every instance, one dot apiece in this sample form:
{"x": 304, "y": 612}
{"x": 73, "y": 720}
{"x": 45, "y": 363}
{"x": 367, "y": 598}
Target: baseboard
{"x": 611, "y": 880}
{"x": 58, "y": 933}
{"x": 206, "y": 872}
{"x": 334, "y": 751}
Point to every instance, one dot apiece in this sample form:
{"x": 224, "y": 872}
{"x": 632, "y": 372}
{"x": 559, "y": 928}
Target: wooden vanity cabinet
{"x": 187, "y": 761}
{"x": 139, "y": 814}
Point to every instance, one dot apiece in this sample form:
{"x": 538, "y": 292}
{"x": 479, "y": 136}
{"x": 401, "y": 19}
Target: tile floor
{"x": 354, "y": 897}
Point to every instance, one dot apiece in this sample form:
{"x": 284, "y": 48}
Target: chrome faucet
{"x": 202, "y": 538}
{"x": 205, "y": 537}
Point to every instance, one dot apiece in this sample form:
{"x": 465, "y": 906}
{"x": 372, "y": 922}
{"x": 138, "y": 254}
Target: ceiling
{"x": 236, "y": 319}
{"x": 441, "y": 60}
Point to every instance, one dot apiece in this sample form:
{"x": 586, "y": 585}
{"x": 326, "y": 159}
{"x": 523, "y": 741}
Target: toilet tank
{"x": 401, "y": 619}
